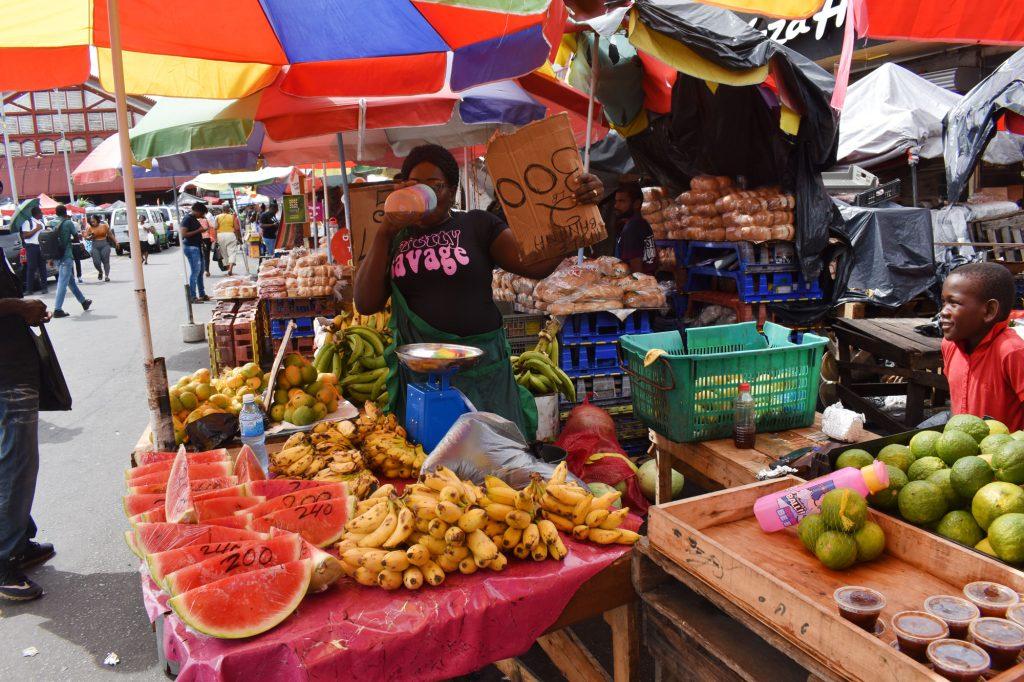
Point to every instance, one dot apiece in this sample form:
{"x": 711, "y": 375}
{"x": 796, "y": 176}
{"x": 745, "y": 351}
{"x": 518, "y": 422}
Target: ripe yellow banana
{"x": 363, "y": 506}
{"x": 626, "y": 537}
{"x": 511, "y": 538}
{"x": 560, "y": 522}
{"x": 548, "y": 531}
{"x": 614, "y": 519}
{"x": 498, "y": 512}
{"x": 581, "y": 532}
{"x": 602, "y": 536}
{"x": 567, "y": 494}
{"x": 579, "y": 513}
{"x": 417, "y": 554}
{"x": 605, "y": 501}
{"x": 403, "y": 528}
{"x": 596, "y": 517}
{"x": 432, "y": 573}
{"x": 481, "y": 545}
{"x": 412, "y": 577}
{"x": 389, "y": 580}
{"x": 467, "y": 566}
{"x": 448, "y": 563}
{"x": 552, "y": 504}
{"x": 557, "y": 550}
{"x": 559, "y": 474}
{"x": 504, "y": 495}
{"x": 368, "y": 521}
{"x": 521, "y": 552}
{"x": 499, "y": 562}
{"x": 365, "y": 576}
{"x": 377, "y": 537}
{"x": 518, "y": 519}
{"x": 531, "y": 536}
{"x": 437, "y": 529}
{"x": 455, "y": 536}
{"x": 540, "y": 552}
{"x": 450, "y": 493}
{"x": 396, "y": 560}
{"x": 472, "y": 520}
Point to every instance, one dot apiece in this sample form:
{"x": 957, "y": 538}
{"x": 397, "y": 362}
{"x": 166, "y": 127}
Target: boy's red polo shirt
{"x": 990, "y": 381}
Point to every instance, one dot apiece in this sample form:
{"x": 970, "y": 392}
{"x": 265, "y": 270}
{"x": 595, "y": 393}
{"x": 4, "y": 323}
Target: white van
{"x": 153, "y": 216}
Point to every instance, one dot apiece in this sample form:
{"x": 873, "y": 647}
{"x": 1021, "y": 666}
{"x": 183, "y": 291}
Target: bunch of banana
{"x": 526, "y": 535}
{"x": 355, "y": 355}
{"x": 372, "y": 419}
{"x": 297, "y": 459}
{"x": 537, "y": 370}
{"x": 324, "y": 455}
{"x": 378, "y": 321}
{"x": 392, "y": 455}
{"x": 576, "y": 510}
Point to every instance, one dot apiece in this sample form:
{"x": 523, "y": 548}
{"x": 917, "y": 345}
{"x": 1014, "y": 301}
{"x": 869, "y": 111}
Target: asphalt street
{"x": 92, "y": 605}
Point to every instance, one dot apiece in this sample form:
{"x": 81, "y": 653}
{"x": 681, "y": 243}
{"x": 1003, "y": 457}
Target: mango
{"x": 293, "y": 374}
{"x": 328, "y": 378}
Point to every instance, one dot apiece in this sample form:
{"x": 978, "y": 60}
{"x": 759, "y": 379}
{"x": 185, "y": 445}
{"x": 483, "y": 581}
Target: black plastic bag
{"x": 212, "y": 431}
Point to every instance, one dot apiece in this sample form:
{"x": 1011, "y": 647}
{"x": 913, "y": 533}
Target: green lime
{"x": 1008, "y": 462}
{"x": 844, "y": 510}
{"x": 836, "y": 550}
{"x": 896, "y": 455}
{"x": 973, "y": 426}
{"x": 886, "y": 499}
{"x": 994, "y": 442}
{"x": 854, "y": 458}
{"x": 969, "y": 475}
{"x": 870, "y": 541}
{"x": 996, "y": 427}
{"x": 924, "y": 467}
{"x": 922, "y": 502}
{"x": 941, "y": 480}
{"x": 810, "y": 528}
{"x": 1006, "y": 535}
{"x": 960, "y": 526}
{"x": 923, "y": 444}
{"x": 994, "y": 500}
{"x": 952, "y": 445}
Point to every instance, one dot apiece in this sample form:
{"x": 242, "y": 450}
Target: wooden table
{"x": 718, "y": 464}
{"x": 917, "y": 359}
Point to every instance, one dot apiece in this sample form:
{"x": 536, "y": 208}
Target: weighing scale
{"x": 432, "y": 406}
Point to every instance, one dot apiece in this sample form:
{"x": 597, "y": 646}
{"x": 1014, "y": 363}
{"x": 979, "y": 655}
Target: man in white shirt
{"x": 35, "y": 266}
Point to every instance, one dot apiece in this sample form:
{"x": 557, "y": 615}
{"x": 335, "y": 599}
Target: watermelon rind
{"x": 219, "y": 600}
{"x": 160, "y": 537}
{"x": 198, "y": 471}
{"x": 129, "y": 538}
{"x": 280, "y": 550}
{"x": 198, "y": 485}
{"x": 178, "y": 504}
{"x": 327, "y": 568}
{"x": 218, "y": 455}
{"x": 247, "y": 468}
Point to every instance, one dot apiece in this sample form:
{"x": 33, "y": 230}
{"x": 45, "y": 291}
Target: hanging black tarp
{"x": 971, "y": 124}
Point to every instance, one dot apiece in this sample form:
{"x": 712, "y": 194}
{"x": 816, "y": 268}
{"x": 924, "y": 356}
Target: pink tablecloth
{"x": 366, "y": 633}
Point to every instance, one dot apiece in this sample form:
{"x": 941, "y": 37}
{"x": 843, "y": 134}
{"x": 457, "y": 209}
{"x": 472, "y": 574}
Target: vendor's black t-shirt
{"x": 268, "y": 224}
{"x": 188, "y": 224}
{"x": 445, "y": 272}
{"x": 19, "y": 359}
{"x": 637, "y": 241}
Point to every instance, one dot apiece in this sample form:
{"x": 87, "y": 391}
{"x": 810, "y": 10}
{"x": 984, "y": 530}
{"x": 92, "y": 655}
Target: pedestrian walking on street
{"x": 268, "y": 227}
{"x": 78, "y": 251}
{"x": 19, "y": 438}
{"x": 65, "y": 235}
{"x": 35, "y": 266}
{"x": 147, "y": 238}
{"x": 209, "y": 239}
{"x": 229, "y": 236}
{"x": 102, "y": 239}
{"x": 192, "y": 239}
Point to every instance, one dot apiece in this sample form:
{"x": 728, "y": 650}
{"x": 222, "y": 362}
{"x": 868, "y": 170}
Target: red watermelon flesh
{"x": 223, "y": 506}
{"x": 193, "y": 457}
{"x": 242, "y": 560}
{"x": 160, "y": 537}
{"x": 247, "y": 604}
{"x": 200, "y": 485}
{"x": 232, "y": 521}
{"x": 154, "y": 515}
{"x": 196, "y": 472}
{"x": 178, "y": 504}
{"x": 247, "y": 468}
{"x": 322, "y": 493}
{"x": 321, "y": 523}
{"x": 136, "y": 504}
{"x": 275, "y": 487}
{"x": 241, "y": 490}
{"x": 162, "y": 563}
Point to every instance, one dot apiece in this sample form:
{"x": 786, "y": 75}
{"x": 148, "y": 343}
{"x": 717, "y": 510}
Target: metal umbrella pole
{"x": 346, "y": 202}
{"x": 594, "y": 55}
{"x": 7, "y": 150}
{"x": 327, "y": 211}
{"x": 161, "y": 422}
{"x": 190, "y": 332}
{"x": 64, "y": 148}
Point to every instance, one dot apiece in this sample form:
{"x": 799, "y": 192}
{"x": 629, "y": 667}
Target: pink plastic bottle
{"x": 786, "y": 507}
{"x": 415, "y": 201}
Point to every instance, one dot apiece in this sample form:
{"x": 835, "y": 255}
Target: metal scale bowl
{"x": 432, "y": 406}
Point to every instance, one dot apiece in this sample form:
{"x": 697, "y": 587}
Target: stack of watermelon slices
{"x": 235, "y": 551}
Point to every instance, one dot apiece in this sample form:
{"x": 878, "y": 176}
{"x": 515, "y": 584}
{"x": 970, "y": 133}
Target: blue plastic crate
{"x": 760, "y": 286}
{"x": 603, "y": 326}
{"x": 303, "y": 327}
{"x": 605, "y": 356}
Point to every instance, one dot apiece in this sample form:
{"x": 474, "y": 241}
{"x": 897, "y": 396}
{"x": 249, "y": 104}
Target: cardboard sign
{"x": 535, "y": 171}
{"x": 366, "y": 208}
{"x": 293, "y": 208}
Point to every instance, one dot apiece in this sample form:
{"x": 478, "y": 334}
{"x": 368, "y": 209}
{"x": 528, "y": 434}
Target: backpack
{"x": 49, "y": 245}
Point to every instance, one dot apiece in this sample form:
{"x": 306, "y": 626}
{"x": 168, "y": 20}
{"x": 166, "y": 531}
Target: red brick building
{"x": 87, "y": 117}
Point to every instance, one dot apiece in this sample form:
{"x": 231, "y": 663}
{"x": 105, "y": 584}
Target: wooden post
{"x": 625, "y": 625}
{"x": 155, "y": 372}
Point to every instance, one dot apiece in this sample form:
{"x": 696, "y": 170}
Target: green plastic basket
{"x": 688, "y": 396}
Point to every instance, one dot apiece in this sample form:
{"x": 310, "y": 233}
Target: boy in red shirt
{"x": 983, "y": 357}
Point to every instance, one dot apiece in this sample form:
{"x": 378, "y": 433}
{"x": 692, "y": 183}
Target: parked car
{"x": 14, "y": 251}
{"x": 171, "y": 218}
{"x": 119, "y": 223}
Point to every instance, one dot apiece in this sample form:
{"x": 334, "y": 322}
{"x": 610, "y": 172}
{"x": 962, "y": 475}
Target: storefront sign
{"x": 293, "y": 208}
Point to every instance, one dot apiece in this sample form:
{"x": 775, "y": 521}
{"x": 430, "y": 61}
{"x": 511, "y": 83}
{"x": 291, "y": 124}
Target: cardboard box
{"x": 535, "y": 171}
{"x": 366, "y": 207}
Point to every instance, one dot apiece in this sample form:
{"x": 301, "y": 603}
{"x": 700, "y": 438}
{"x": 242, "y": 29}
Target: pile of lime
{"x": 964, "y": 483}
{"x": 841, "y": 535}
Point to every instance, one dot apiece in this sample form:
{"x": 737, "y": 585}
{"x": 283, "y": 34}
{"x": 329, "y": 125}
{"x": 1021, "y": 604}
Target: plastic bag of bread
{"x": 652, "y": 193}
{"x": 715, "y": 235}
{"x": 647, "y": 298}
{"x": 610, "y": 266}
{"x": 562, "y": 283}
{"x": 694, "y": 197}
{"x": 704, "y": 210}
{"x": 598, "y": 291}
{"x": 714, "y": 183}
{"x": 781, "y": 202}
{"x": 756, "y": 234}
{"x": 785, "y": 233}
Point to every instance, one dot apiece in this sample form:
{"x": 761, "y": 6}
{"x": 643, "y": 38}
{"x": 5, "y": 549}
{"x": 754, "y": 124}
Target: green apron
{"x": 489, "y": 385}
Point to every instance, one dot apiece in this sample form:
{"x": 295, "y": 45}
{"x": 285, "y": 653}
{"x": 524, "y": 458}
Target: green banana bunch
{"x": 355, "y": 355}
{"x": 537, "y": 370}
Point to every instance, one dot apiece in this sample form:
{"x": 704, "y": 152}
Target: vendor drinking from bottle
{"x": 983, "y": 357}
{"x": 437, "y": 271}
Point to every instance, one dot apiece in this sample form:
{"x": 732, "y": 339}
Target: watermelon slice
{"x": 160, "y": 537}
{"x": 245, "y": 605}
{"x": 232, "y": 521}
{"x": 232, "y": 491}
{"x": 129, "y": 538}
{"x": 154, "y": 515}
{"x": 327, "y": 568}
{"x": 242, "y": 560}
{"x": 196, "y": 472}
{"x": 193, "y": 457}
{"x": 178, "y": 503}
{"x": 322, "y": 493}
{"x": 223, "y": 506}
{"x": 321, "y": 523}
{"x": 162, "y": 563}
{"x": 198, "y": 485}
{"x": 247, "y": 467}
{"x": 275, "y": 487}
{"x": 136, "y": 504}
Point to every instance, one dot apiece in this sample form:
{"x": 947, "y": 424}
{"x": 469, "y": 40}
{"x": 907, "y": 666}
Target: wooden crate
{"x": 1004, "y": 234}
{"x": 775, "y": 580}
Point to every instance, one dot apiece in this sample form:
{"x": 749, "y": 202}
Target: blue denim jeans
{"x": 269, "y": 245}
{"x": 19, "y": 464}
{"x": 194, "y": 254}
{"x": 66, "y": 280}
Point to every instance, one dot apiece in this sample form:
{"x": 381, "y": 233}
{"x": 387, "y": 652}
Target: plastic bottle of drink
{"x": 786, "y": 507}
{"x": 250, "y": 424}
{"x": 744, "y": 425}
{"x": 415, "y": 201}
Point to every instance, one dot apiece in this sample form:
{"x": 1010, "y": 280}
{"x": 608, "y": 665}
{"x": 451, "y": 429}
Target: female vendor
{"x": 437, "y": 273}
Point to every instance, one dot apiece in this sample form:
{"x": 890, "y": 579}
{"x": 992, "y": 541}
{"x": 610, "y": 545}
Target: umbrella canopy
{"x": 320, "y": 47}
{"x": 225, "y": 182}
{"x": 992, "y": 22}
{"x": 23, "y": 212}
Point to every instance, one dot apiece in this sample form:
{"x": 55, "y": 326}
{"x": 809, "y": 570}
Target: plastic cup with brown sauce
{"x": 957, "y": 613}
{"x": 915, "y": 630}
{"x": 860, "y": 605}
{"x": 1000, "y": 638}
{"x": 992, "y": 599}
{"x": 1016, "y": 613}
{"x": 957, "y": 660}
